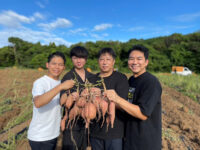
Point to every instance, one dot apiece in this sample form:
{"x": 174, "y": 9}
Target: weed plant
{"x": 188, "y": 85}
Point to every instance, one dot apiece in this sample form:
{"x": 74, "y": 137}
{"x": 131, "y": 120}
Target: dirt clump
{"x": 7, "y": 116}
{"x": 181, "y": 121}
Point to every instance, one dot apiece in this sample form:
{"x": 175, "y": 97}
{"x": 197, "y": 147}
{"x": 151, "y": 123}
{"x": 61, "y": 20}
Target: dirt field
{"x": 180, "y": 114}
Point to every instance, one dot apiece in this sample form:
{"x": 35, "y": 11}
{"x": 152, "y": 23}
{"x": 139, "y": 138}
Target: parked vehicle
{"x": 181, "y": 70}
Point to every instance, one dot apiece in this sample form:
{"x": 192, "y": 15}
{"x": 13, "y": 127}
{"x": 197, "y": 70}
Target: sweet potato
{"x": 103, "y": 106}
{"x": 112, "y": 113}
{"x": 95, "y": 91}
{"x": 89, "y": 112}
{"x": 75, "y": 96}
{"x": 69, "y": 102}
{"x": 104, "y": 109}
{"x": 96, "y": 101}
{"x": 74, "y": 112}
{"x": 85, "y": 92}
{"x": 107, "y": 122}
{"x": 63, "y": 121}
{"x": 81, "y": 102}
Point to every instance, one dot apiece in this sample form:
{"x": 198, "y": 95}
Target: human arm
{"x": 45, "y": 98}
{"x": 131, "y": 109}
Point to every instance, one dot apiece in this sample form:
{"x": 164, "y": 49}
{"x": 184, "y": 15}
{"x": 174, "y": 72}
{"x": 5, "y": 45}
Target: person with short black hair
{"x": 101, "y": 137}
{"x": 58, "y": 54}
{"x": 79, "y": 51}
{"x": 107, "y": 50}
{"x": 79, "y": 57}
{"x": 45, "y": 124}
{"x": 143, "y": 127}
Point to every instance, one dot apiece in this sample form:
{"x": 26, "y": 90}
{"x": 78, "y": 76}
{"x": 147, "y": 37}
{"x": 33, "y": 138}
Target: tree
{"x": 6, "y": 57}
{"x": 19, "y": 47}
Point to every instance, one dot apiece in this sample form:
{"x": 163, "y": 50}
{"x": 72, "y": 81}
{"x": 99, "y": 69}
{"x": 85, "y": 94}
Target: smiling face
{"x": 55, "y": 67}
{"x": 106, "y": 63}
{"x": 78, "y": 62}
{"x": 137, "y": 62}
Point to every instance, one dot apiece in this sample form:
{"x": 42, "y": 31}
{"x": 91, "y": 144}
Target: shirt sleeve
{"x": 122, "y": 87}
{"x": 150, "y": 96}
{"x": 38, "y": 88}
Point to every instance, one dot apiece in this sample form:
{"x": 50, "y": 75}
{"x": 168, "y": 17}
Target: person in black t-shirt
{"x": 143, "y": 128}
{"x": 78, "y": 56}
{"x": 102, "y": 138}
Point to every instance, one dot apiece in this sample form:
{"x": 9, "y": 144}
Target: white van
{"x": 181, "y": 70}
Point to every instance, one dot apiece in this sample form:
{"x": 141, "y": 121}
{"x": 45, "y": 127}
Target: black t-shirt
{"x": 72, "y": 74}
{"x": 145, "y": 135}
{"x": 119, "y": 83}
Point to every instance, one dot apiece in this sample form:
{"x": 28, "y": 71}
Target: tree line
{"x": 165, "y": 52}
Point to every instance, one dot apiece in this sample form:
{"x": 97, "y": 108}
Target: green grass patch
{"x": 169, "y": 134}
{"x": 188, "y": 85}
{"x": 5, "y": 106}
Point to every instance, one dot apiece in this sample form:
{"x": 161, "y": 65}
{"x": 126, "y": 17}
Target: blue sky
{"x": 72, "y": 21}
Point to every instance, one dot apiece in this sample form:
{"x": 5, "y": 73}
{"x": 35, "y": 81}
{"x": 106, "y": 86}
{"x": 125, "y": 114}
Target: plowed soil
{"x": 180, "y": 114}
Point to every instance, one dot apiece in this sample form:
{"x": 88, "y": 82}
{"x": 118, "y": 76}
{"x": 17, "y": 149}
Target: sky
{"x": 68, "y": 22}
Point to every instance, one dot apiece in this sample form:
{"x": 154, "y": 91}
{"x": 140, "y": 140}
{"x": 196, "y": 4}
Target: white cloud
{"x": 11, "y": 19}
{"x": 136, "y": 28}
{"x": 119, "y": 25}
{"x": 99, "y": 36}
{"x": 40, "y": 4}
{"x": 96, "y": 36}
{"x": 59, "y": 23}
{"x": 186, "y": 17}
{"x": 31, "y": 36}
{"x": 38, "y": 15}
{"x": 105, "y": 34}
{"x": 78, "y": 32}
{"x": 101, "y": 27}
{"x": 75, "y": 31}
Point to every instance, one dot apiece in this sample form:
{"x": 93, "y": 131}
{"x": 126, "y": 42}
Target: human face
{"x": 106, "y": 63}
{"x": 137, "y": 63}
{"x": 78, "y": 62}
{"x": 55, "y": 67}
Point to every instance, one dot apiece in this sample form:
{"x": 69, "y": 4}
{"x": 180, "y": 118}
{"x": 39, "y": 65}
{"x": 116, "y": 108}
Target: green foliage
{"x": 38, "y": 61}
{"x": 189, "y": 85}
{"x": 93, "y": 64}
{"x": 6, "y": 57}
{"x": 176, "y": 49}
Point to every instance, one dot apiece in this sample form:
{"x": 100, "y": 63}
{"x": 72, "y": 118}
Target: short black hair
{"x": 107, "y": 50}
{"x": 79, "y": 51}
{"x": 140, "y": 48}
{"x": 56, "y": 54}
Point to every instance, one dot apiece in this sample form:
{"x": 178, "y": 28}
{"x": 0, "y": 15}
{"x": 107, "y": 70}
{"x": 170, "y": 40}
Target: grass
{"x": 16, "y": 94}
{"x": 169, "y": 134}
{"x": 188, "y": 85}
{"x": 5, "y": 106}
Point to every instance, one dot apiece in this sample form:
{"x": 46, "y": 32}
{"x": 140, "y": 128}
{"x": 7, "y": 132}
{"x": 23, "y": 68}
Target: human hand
{"x": 67, "y": 84}
{"x": 111, "y": 95}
